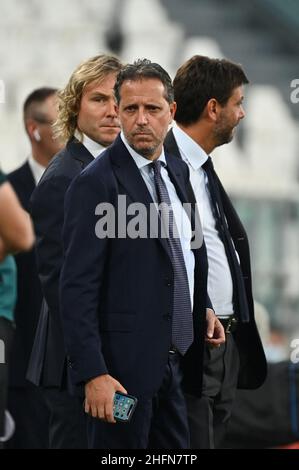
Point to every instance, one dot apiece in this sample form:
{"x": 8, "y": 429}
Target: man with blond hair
{"x": 88, "y": 121}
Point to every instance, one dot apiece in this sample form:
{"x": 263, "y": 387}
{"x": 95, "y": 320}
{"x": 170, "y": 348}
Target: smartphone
{"x": 123, "y": 407}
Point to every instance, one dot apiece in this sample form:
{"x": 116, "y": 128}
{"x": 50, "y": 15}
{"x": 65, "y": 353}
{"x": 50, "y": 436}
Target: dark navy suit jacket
{"x": 47, "y": 362}
{"x": 253, "y": 366}
{"x": 117, "y": 293}
{"x": 29, "y": 297}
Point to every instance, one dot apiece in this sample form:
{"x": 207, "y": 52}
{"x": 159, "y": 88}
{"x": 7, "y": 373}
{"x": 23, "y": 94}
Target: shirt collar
{"x": 141, "y": 161}
{"x": 93, "y": 147}
{"x": 36, "y": 168}
{"x": 189, "y": 149}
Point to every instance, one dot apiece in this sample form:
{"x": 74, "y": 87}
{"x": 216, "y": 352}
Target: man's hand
{"x": 99, "y": 393}
{"x": 215, "y": 332}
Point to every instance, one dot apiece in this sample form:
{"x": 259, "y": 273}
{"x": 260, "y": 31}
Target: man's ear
{"x": 32, "y": 130}
{"x": 212, "y": 109}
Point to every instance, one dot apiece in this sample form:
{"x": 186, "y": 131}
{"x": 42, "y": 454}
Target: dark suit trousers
{"x": 209, "y": 415}
{"x": 67, "y": 429}
{"x": 31, "y": 416}
{"x": 158, "y": 423}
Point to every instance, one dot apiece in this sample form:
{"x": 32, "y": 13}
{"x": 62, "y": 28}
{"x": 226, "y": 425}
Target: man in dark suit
{"x": 127, "y": 290}
{"x": 40, "y": 111}
{"x": 209, "y": 95}
{"x": 87, "y": 119}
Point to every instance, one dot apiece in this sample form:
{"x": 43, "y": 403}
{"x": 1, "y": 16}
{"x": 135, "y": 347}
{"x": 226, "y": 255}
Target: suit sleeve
{"x": 47, "y": 213}
{"x": 209, "y": 303}
{"x": 82, "y": 278}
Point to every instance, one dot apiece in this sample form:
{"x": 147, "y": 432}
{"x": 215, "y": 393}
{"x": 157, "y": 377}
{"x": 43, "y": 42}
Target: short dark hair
{"x": 140, "y": 69}
{"x": 200, "y": 79}
{"x": 35, "y": 98}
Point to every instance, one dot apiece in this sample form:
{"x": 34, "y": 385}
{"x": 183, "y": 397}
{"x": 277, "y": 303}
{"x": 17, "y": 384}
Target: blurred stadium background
{"x": 41, "y": 42}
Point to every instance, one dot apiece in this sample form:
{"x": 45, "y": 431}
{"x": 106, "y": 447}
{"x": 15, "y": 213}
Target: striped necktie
{"x": 182, "y": 320}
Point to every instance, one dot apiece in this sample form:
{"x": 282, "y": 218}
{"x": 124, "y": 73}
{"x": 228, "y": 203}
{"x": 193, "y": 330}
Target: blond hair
{"x": 94, "y": 69}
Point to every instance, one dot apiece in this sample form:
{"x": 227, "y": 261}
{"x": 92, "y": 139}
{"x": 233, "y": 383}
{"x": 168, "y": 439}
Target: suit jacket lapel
{"x": 128, "y": 174}
{"x": 130, "y": 178}
{"x": 185, "y": 193}
{"x": 234, "y": 223}
{"x": 171, "y": 145}
{"x": 79, "y": 152}
{"x": 172, "y": 148}
{"x": 177, "y": 178}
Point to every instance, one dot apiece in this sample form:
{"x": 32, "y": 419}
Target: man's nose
{"x": 111, "y": 108}
{"x": 242, "y": 113}
{"x": 142, "y": 117}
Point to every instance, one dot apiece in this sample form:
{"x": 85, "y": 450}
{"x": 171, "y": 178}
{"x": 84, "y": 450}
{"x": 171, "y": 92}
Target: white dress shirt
{"x": 36, "y": 168}
{"x": 93, "y": 147}
{"x": 220, "y": 284}
{"x": 180, "y": 216}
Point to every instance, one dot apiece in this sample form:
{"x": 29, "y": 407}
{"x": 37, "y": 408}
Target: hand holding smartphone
{"x": 123, "y": 407}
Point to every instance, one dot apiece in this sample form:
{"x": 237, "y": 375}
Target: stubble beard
{"x": 223, "y": 136}
{"x": 145, "y": 152}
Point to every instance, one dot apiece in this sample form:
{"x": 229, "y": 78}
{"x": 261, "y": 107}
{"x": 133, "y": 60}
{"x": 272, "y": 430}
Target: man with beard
{"x": 134, "y": 307}
{"x": 209, "y": 95}
{"x": 87, "y": 120}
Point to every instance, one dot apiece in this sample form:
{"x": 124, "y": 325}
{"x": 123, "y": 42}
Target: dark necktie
{"x": 239, "y": 293}
{"x": 182, "y": 320}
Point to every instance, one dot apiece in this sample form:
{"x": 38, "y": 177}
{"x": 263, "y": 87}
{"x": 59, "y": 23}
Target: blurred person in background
{"x": 39, "y": 113}
{"x": 88, "y": 121}
{"x": 16, "y": 234}
{"x": 277, "y": 348}
{"x": 209, "y": 95}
